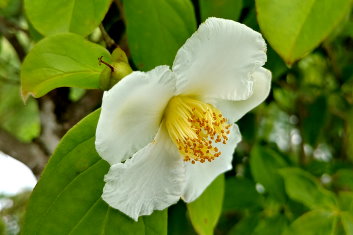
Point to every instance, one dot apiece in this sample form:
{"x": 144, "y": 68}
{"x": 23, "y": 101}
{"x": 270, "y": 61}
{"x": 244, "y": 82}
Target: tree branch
{"x": 28, "y": 153}
{"x": 107, "y": 39}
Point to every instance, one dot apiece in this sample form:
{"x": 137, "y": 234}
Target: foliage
{"x": 293, "y": 169}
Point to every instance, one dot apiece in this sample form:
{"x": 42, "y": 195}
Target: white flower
{"x": 168, "y": 134}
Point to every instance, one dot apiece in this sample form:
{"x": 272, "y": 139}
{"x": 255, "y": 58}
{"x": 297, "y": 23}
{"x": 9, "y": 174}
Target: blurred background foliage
{"x": 293, "y": 169}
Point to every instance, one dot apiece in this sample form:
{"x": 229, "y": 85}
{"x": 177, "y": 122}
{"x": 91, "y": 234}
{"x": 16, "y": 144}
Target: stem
{"x": 102, "y": 61}
{"x": 107, "y": 39}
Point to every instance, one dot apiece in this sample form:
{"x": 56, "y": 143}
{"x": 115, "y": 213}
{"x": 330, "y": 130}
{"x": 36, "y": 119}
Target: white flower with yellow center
{"x": 168, "y": 133}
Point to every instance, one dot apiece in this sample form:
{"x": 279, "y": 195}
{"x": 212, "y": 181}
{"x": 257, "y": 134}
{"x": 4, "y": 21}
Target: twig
{"x": 30, "y": 154}
{"x": 108, "y": 40}
{"x": 10, "y": 25}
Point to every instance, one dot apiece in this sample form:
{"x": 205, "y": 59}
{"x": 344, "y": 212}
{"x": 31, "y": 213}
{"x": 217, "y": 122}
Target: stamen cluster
{"x": 195, "y": 127}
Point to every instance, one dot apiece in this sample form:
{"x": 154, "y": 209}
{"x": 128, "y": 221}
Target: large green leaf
{"x": 296, "y": 27}
{"x": 205, "y": 211}
{"x": 59, "y": 16}
{"x": 156, "y": 29}
{"x": 67, "y": 198}
{"x": 264, "y": 163}
{"x": 303, "y": 187}
{"x": 314, "y": 223}
{"x": 63, "y": 60}
{"x": 228, "y": 9}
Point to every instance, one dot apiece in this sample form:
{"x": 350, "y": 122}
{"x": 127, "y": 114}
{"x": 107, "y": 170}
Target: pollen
{"x": 195, "y": 128}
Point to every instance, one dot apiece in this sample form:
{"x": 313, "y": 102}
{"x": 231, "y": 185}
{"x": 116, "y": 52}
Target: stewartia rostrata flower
{"x": 168, "y": 133}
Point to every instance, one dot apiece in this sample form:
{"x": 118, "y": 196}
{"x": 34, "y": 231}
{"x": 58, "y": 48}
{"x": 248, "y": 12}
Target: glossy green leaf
{"x": 264, "y": 163}
{"x": 294, "y": 28}
{"x": 304, "y": 188}
{"x": 227, "y": 9}
{"x": 156, "y": 29}
{"x": 314, "y": 223}
{"x": 67, "y": 198}
{"x": 63, "y": 60}
{"x": 60, "y": 16}
{"x": 205, "y": 211}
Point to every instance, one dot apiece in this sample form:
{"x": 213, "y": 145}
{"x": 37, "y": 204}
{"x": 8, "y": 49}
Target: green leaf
{"x": 303, "y": 187}
{"x": 227, "y": 9}
{"x": 63, "y": 60}
{"x": 60, "y": 16}
{"x": 264, "y": 163}
{"x": 67, "y": 198}
{"x": 314, "y": 223}
{"x": 156, "y": 29}
{"x": 347, "y": 222}
{"x": 241, "y": 194}
{"x": 205, "y": 211}
{"x": 294, "y": 28}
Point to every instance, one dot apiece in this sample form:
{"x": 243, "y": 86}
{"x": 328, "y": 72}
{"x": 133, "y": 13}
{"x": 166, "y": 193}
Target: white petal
{"x": 152, "y": 179}
{"x": 131, "y": 113}
{"x": 234, "y": 110}
{"x": 218, "y": 59}
{"x": 200, "y": 175}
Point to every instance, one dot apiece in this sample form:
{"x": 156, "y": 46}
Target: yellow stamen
{"x": 194, "y": 126}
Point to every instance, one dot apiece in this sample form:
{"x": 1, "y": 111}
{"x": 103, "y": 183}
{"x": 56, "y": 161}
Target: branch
{"x": 9, "y": 30}
{"x": 28, "y": 153}
{"x": 12, "y": 26}
{"x": 107, "y": 39}
{"x": 48, "y": 138}
{"x": 78, "y": 110}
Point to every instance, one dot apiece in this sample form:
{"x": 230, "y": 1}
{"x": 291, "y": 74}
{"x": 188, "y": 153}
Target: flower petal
{"x": 152, "y": 179}
{"x": 200, "y": 175}
{"x": 218, "y": 60}
{"x": 234, "y": 110}
{"x": 131, "y": 113}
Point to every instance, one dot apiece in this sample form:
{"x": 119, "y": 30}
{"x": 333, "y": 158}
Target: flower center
{"x": 195, "y": 127}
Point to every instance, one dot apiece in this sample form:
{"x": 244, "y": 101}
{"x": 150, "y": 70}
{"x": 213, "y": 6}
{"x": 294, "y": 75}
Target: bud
{"x": 114, "y": 71}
